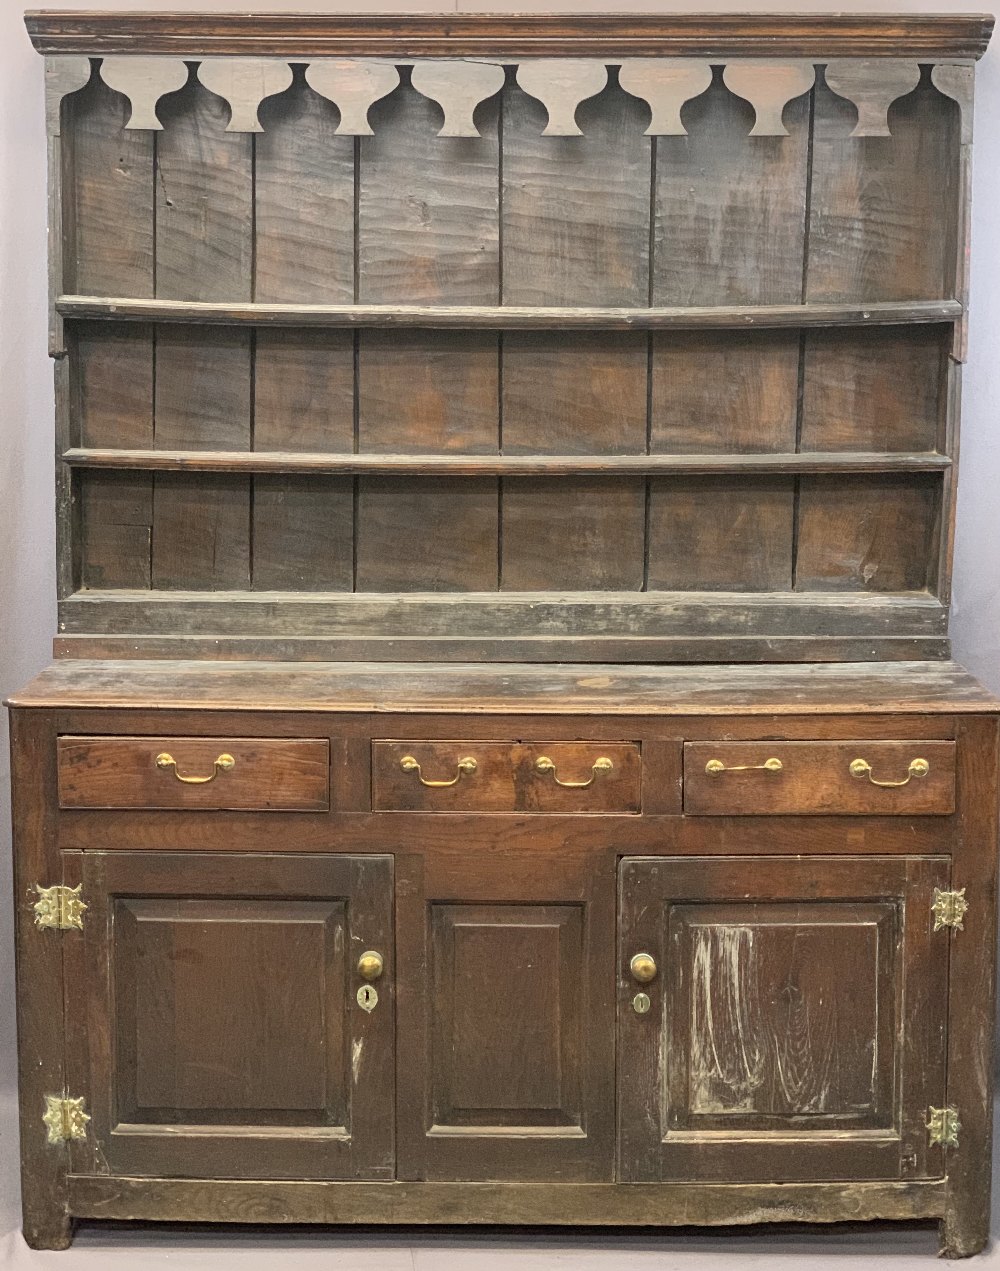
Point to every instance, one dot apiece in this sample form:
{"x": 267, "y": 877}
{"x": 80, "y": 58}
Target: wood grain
{"x": 733, "y": 393}
{"x": 865, "y": 533}
{"x": 720, "y": 534}
{"x": 878, "y": 227}
{"x": 518, "y": 35}
{"x": 730, "y": 212}
{"x": 885, "y": 393}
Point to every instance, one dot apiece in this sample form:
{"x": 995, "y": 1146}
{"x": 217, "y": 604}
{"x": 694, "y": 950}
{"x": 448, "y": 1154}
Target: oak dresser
{"x": 502, "y": 761}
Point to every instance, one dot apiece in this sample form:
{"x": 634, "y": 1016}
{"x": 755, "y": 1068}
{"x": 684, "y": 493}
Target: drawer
{"x": 760, "y": 778}
{"x": 494, "y": 776}
{"x": 250, "y": 773}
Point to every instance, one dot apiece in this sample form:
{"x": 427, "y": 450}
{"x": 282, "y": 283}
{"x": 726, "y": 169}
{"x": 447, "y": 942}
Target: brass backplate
{"x": 59, "y": 907}
{"x": 943, "y": 1126}
{"x": 65, "y": 1118}
{"x": 949, "y": 908}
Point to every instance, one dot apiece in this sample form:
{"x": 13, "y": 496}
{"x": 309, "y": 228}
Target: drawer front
{"x": 492, "y": 776}
{"x": 245, "y": 773}
{"x": 760, "y": 778}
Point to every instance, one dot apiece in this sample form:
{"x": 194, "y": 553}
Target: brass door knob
{"x": 643, "y": 968}
{"x": 370, "y": 965}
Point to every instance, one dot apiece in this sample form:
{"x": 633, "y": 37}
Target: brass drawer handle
{"x": 224, "y": 763}
{"x": 917, "y": 768}
{"x": 409, "y": 764}
{"x": 715, "y": 766}
{"x": 544, "y": 764}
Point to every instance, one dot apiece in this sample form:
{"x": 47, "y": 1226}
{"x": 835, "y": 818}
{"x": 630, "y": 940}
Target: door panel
{"x": 506, "y": 1027}
{"x": 795, "y": 1027}
{"x": 225, "y": 1036}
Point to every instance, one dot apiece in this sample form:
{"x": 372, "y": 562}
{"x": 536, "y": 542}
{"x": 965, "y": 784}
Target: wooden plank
{"x": 438, "y": 245}
{"x": 201, "y": 537}
{"x": 575, "y": 231}
{"x": 734, "y": 393}
{"x": 576, "y": 213}
{"x": 511, "y": 316}
{"x": 303, "y": 395}
{"x": 116, "y": 511}
{"x": 730, "y": 213}
{"x": 204, "y": 201}
{"x": 112, "y": 399}
{"x": 869, "y": 533}
{"x": 589, "y": 650}
{"x": 579, "y": 394}
{"x": 303, "y": 533}
{"x": 483, "y": 465}
{"x": 577, "y": 535}
{"x": 887, "y": 392}
{"x": 972, "y": 993}
{"x": 882, "y": 212}
{"x": 836, "y": 689}
{"x": 204, "y": 251}
{"x": 111, "y": 177}
{"x": 426, "y": 534}
{"x": 303, "y": 382}
{"x": 40, "y": 1026}
{"x": 585, "y": 616}
{"x": 303, "y": 203}
{"x": 928, "y": 36}
{"x": 721, "y": 534}
{"x": 433, "y": 391}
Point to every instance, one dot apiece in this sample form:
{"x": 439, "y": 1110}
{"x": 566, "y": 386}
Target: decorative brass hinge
{"x": 65, "y": 1118}
{"x": 949, "y": 908}
{"x": 943, "y": 1126}
{"x": 59, "y": 907}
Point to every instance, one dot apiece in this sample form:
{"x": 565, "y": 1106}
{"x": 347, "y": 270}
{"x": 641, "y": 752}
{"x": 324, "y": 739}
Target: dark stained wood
{"x": 815, "y": 778}
{"x": 510, "y": 317}
{"x": 884, "y": 393}
{"x": 733, "y": 393}
{"x": 520, "y": 35}
{"x": 558, "y": 1204}
{"x": 426, "y": 534}
{"x": 46, "y": 1222}
{"x": 303, "y": 534}
{"x": 747, "y": 950}
{"x": 115, "y": 511}
{"x": 524, "y": 946}
{"x": 506, "y": 777}
{"x": 577, "y": 535}
{"x": 303, "y": 202}
{"x": 865, "y": 533}
{"x": 915, "y": 688}
{"x": 266, "y": 1068}
{"x": 581, "y": 394}
{"x": 111, "y": 184}
{"x": 201, "y": 530}
{"x": 462, "y": 464}
{"x": 720, "y": 534}
{"x": 723, "y": 203}
{"x": 972, "y": 982}
{"x": 878, "y": 228}
{"x": 427, "y": 392}
{"x": 122, "y": 772}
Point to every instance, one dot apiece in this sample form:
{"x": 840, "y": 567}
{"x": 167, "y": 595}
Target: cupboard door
{"x": 216, "y": 1005}
{"x": 506, "y": 1017}
{"x": 794, "y": 1025}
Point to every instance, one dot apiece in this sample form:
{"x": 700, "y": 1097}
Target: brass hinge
{"x": 65, "y": 1118}
{"x": 59, "y": 907}
{"x": 943, "y": 1126}
{"x": 949, "y": 908}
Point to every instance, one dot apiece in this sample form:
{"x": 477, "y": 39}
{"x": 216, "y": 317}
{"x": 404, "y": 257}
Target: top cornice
{"x": 607, "y": 36}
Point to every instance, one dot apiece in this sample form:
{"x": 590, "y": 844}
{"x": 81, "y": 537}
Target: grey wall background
{"x": 27, "y": 576}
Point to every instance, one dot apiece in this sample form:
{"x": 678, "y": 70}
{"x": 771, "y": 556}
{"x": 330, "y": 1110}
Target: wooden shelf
{"x": 510, "y": 317}
{"x": 498, "y": 465}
